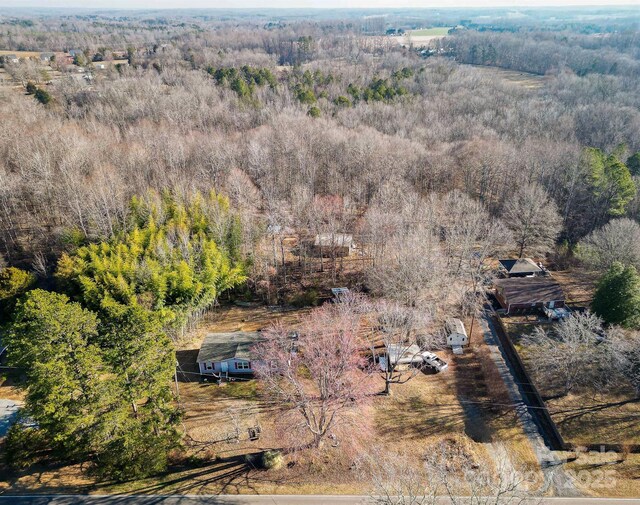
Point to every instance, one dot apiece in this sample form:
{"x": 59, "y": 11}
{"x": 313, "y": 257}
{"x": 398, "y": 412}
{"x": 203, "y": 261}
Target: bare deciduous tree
{"x": 625, "y": 355}
{"x": 618, "y": 240}
{"x": 447, "y": 473}
{"x": 319, "y": 379}
{"x": 533, "y": 219}
{"x": 400, "y": 328}
{"x": 569, "y": 354}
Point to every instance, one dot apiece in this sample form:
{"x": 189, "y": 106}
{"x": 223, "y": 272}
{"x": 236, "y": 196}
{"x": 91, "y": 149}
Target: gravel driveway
{"x": 8, "y": 413}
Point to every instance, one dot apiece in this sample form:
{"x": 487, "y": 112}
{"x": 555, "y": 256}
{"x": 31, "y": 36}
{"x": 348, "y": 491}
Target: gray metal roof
{"x": 223, "y": 346}
{"x": 528, "y": 290}
{"x": 454, "y": 325}
{"x": 333, "y": 240}
{"x": 520, "y": 266}
{"x": 403, "y": 353}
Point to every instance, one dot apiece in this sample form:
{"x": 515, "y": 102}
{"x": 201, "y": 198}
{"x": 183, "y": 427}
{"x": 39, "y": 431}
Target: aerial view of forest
{"x": 390, "y": 254}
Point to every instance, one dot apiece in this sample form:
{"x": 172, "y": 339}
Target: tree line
{"x": 96, "y": 351}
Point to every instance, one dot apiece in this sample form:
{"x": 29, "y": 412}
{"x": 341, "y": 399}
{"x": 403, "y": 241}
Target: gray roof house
{"x": 521, "y": 294}
{"x": 47, "y": 56}
{"x": 225, "y": 354}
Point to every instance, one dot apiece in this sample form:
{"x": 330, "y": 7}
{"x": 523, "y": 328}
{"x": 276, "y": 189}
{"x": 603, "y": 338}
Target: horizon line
{"x": 554, "y": 6}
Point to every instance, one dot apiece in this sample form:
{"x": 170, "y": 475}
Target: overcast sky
{"x": 210, "y": 4}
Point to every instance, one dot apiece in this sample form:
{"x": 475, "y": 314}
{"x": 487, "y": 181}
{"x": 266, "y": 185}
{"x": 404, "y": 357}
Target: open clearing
{"x": 430, "y": 32}
{"x": 589, "y": 417}
{"x": 524, "y": 79}
{"x": 424, "y": 36}
{"x": 23, "y": 54}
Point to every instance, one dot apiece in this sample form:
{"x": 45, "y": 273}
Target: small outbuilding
{"x": 399, "y": 354}
{"x": 456, "y": 334}
{"x": 47, "y": 56}
{"x": 333, "y": 244}
{"x": 225, "y": 354}
{"x": 521, "y": 294}
{"x": 521, "y": 267}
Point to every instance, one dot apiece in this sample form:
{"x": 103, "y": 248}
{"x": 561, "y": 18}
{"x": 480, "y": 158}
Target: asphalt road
{"x": 252, "y": 500}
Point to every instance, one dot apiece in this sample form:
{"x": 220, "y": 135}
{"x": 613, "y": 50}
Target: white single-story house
{"x": 225, "y": 354}
{"x": 456, "y": 334}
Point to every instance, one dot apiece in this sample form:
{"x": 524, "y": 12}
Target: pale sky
{"x": 332, "y": 4}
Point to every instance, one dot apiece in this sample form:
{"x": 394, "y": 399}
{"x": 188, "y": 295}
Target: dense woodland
{"x": 144, "y": 194}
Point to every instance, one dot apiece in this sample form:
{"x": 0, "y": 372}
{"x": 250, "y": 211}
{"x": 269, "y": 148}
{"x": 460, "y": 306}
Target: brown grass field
{"x": 523, "y": 79}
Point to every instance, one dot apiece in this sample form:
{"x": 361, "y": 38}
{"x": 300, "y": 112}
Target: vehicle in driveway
{"x": 434, "y": 362}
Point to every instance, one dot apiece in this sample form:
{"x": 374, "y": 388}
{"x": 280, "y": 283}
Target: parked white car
{"x": 434, "y": 361}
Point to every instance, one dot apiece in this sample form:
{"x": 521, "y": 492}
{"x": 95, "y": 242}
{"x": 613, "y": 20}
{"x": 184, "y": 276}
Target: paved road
{"x": 252, "y": 500}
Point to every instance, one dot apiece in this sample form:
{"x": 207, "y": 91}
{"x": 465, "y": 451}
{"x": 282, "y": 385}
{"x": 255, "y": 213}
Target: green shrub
{"x": 24, "y": 446}
{"x": 13, "y": 284}
{"x": 42, "y": 96}
{"x": 314, "y": 112}
{"x": 271, "y": 460}
{"x": 308, "y": 298}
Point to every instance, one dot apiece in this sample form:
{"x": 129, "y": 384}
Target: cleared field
{"x": 524, "y": 79}
{"x": 439, "y": 31}
{"x": 23, "y": 54}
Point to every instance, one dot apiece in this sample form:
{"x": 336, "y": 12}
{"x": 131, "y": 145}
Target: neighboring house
{"x": 522, "y": 267}
{"x": 456, "y": 335}
{"x": 519, "y": 294}
{"x": 11, "y": 58}
{"x": 225, "y": 354}
{"x": 333, "y": 244}
{"x": 76, "y": 52}
{"x": 99, "y": 65}
{"x": 44, "y": 57}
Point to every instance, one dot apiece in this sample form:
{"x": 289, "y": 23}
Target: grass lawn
{"x": 607, "y": 474}
{"x": 589, "y": 416}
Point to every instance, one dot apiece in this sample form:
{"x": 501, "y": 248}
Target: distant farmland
{"x": 423, "y": 36}
{"x": 439, "y": 31}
